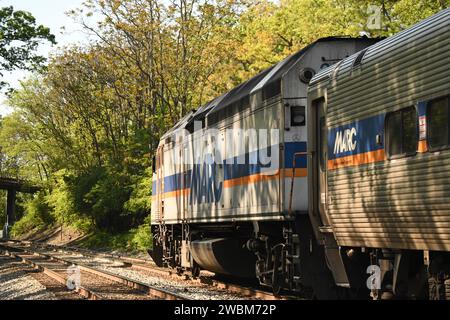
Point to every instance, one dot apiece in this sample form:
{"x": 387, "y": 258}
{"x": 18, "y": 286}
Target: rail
{"x": 149, "y": 290}
{"x": 147, "y": 266}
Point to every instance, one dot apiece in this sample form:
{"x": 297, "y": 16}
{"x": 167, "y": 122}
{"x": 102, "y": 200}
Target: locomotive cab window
{"x": 438, "y": 123}
{"x": 298, "y": 117}
{"x": 401, "y": 133}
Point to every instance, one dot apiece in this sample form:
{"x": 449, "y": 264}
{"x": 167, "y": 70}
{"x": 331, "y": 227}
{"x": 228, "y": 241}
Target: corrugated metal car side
{"x": 424, "y": 72}
{"x": 399, "y": 203}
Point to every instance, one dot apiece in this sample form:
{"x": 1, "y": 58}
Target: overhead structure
{"x": 12, "y": 186}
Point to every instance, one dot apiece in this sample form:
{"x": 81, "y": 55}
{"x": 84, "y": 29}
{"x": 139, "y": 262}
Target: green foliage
{"x": 23, "y": 148}
{"x": 104, "y": 240}
{"x": 19, "y": 40}
{"x": 37, "y": 216}
{"x": 61, "y": 200}
{"x": 2, "y": 208}
{"x": 142, "y": 236}
{"x": 83, "y": 224}
{"x": 87, "y": 127}
{"x": 93, "y": 199}
{"x": 105, "y": 201}
{"x": 140, "y": 198}
{"x": 135, "y": 240}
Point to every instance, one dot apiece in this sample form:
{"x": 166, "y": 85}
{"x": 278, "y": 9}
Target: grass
{"x": 38, "y": 218}
{"x": 135, "y": 241}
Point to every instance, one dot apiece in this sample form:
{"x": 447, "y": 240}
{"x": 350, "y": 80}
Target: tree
{"x": 19, "y": 40}
{"x": 83, "y": 127}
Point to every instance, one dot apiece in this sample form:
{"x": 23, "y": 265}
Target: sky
{"x": 50, "y": 13}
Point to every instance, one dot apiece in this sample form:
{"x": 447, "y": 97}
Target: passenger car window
{"x": 410, "y": 132}
{"x": 401, "y": 132}
{"x": 393, "y": 133}
{"x": 438, "y": 123}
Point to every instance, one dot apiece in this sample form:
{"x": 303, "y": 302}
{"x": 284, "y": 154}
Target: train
{"x": 325, "y": 175}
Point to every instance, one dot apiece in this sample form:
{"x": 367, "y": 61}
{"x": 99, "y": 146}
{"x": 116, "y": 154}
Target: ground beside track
{"x": 18, "y": 282}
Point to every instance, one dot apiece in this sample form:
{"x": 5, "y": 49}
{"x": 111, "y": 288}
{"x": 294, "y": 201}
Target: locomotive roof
{"x": 388, "y": 47}
{"x": 266, "y": 78}
{"x": 243, "y": 91}
{"x": 260, "y": 81}
{"x": 180, "y": 124}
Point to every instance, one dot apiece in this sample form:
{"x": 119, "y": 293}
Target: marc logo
{"x": 345, "y": 141}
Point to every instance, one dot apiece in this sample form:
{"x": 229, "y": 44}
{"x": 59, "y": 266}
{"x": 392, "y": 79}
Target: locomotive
{"x": 323, "y": 175}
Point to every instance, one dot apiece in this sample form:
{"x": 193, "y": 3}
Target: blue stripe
{"x": 366, "y": 132}
{"x": 290, "y": 149}
{"x": 174, "y": 182}
{"x": 422, "y": 108}
{"x": 235, "y": 171}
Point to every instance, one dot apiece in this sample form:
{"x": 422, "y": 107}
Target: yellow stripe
{"x": 299, "y": 173}
{"x": 423, "y": 147}
{"x": 250, "y": 179}
{"x": 358, "y": 159}
{"x": 287, "y": 173}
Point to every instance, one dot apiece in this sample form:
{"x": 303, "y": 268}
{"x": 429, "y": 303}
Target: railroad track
{"x": 97, "y": 284}
{"x": 147, "y": 266}
{"x": 150, "y": 269}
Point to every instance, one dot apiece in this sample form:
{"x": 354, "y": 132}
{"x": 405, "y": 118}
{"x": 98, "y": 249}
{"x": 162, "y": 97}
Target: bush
{"x": 136, "y": 240}
{"x": 142, "y": 238}
{"x": 2, "y": 208}
{"x": 82, "y": 224}
{"x": 140, "y": 201}
{"x": 37, "y": 216}
{"x": 62, "y": 202}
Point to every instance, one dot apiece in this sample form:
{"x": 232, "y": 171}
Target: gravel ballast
{"x": 188, "y": 290}
{"x": 16, "y": 283}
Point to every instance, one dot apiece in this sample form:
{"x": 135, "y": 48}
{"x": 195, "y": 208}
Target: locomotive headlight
{"x": 306, "y": 75}
{"x": 299, "y": 118}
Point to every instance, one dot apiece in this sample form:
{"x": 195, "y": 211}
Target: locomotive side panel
{"x": 190, "y": 189}
{"x": 156, "y": 188}
{"x": 243, "y": 191}
{"x": 173, "y": 188}
{"x": 376, "y": 199}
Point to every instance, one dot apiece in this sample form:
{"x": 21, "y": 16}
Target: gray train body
{"x": 356, "y": 201}
{"x": 380, "y": 162}
{"x": 236, "y": 215}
